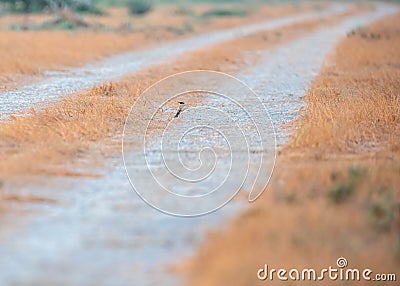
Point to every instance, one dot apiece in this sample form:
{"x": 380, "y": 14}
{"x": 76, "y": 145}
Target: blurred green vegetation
{"x": 381, "y": 209}
{"x": 225, "y": 12}
{"x": 345, "y": 188}
{"x": 37, "y": 6}
{"x": 187, "y": 2}
{"x": 135, "y": 6}
{"x": 67, "y": 12}
{"x": 139, "y": 7}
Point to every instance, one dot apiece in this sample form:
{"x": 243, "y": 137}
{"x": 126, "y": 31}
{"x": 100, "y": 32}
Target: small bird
{"x": 180, "y": 108}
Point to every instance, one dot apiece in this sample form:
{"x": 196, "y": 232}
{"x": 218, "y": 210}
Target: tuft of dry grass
{"x": 335, "y": 190}
{"x": 63, "y": 131}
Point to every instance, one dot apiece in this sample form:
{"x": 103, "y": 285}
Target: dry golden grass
{"x": 335, "y": 191}
{"x": 45, "y": 140}
{"x": 30, "y": 52}
{"x": 296, "y": 225}
{"x": 356, "y": 109}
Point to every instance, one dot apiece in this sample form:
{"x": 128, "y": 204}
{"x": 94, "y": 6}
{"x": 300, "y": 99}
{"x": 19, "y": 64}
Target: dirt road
{"x": 57, "y": 83}
{"x": 98, "y": 232}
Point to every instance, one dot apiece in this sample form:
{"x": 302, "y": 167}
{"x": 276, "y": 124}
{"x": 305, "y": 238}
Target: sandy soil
{"x": 335, "y": 191}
